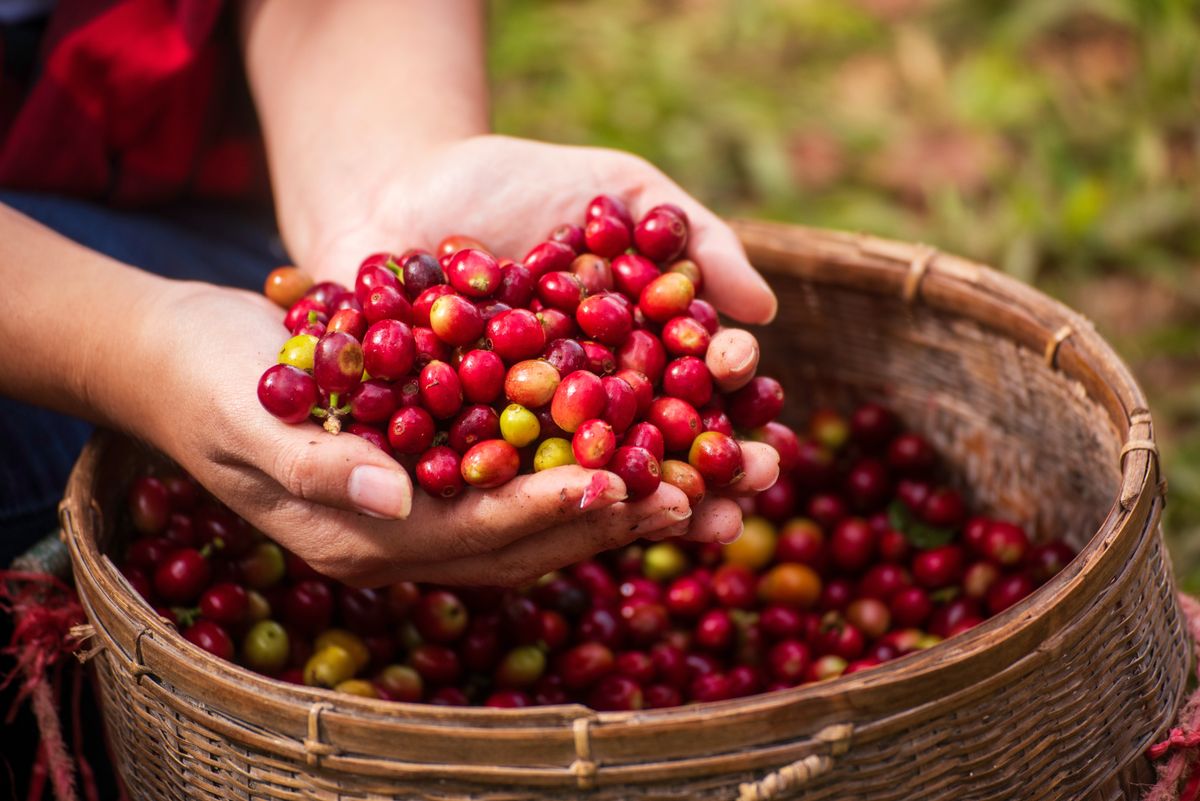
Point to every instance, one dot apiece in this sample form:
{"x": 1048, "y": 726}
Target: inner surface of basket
{"x": 1023, "y": 441}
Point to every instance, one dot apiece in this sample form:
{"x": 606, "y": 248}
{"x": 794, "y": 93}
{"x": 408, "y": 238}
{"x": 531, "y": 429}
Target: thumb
{"x": 342, "y": 471}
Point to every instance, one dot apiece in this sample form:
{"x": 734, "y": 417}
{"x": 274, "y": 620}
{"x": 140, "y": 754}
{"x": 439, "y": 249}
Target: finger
{"x": 761, "y": 465}
{"x": 600, "y": 530}
{"x": 732, "y": 358}
{"x": 480, "y": 521}
{"x": 716, "y": 519}
{"x": 344, "y": 472}
{"x": 730, "y": 282}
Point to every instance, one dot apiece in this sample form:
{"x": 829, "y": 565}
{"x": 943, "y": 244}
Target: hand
{"x": 509, "y": 194}
{"x": 345, "y": 506}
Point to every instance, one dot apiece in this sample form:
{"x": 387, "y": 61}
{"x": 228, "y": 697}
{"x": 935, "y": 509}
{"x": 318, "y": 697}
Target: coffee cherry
{"x": 579, "y": 397}
{"x": 788, "y": 661}
{"x": 943, "y": 508}
{"x": 632, "y": 274}
{"x": 338, "y": 362}
{"x": 421, "y": 271}
{"x": 648, "y": 436}
{"x": 440, "y": 617}
{"x": 520, "y": 667}
{"x": 436, "y": 664}
{"x": 429, "y": 347}
{"x": 400, "y": 683}
{"x": 594, "y": 443}
{"x": 852, "y": 545}
{"x": 605, "y": 319}
{"x": 473, "y": 424}
{"x": 474, "y": 272}
{"x": 569, "y": 234}
{"x": 688, "y": 379}
{"x": 286, "y": 285}
{"x": 518, "y": 425}
{"x": 481, "y": 375}
{"x": 686, "y": 478}
{"x": 684, "y": 336}
{"x": 757, "y": 403}
{"x": 667, "y": 296}
{"x": 717, "y": 457}
{"x": 299, "y": 351}
{"x": 790, "y": 584}
{"x": 531, "y": 383}
{"x": 211, "y": 637}
{"x": 349, "y": 321}
{"x": 557, "y": 324}
{"x": 585, "y": 664}
{"x": 517, "y": 285}
{"x": 638, "y": 468}
{"x": 226, "y": 603}
{"x": 1005, "y": 544}
{"x": 607, "y": 236}
{"x": 411, "y": 430}
{"x": 620, "y": 407}
{"x": 643, "y": 352}
{"x": 938, "y": 567}
{"x": 516, "y": 335}
{"x": 424, "y": 303}
{"x": 553, "y": 452}
{"x": 1045, "y": 561}
{"x": 661, "y": 235}
{"x": 265, "y": 647}
{"x": 490, "y": 464}
{"x": 548, "y": 257}
{"x": 600, "y": 359}
{"x": 372, "y": 277}
{"x": 440, "y": 390}
{"x": 455, "y": 320}
{"x": 438, "y": 472}
{"x": 1006, "y": 592}
{"x": 594, "y": 272}
{"x": 566, "y": 355}
{"x": 387, "y": 303}
{"x": 560, "y": 290}
{"x": 911, "y": 454}
{"x": 678, "y": 421}
{"x": 182, "y": 576}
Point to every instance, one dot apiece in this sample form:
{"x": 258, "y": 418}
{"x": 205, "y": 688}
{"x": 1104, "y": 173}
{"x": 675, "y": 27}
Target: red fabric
{"x": 135, "y": 102}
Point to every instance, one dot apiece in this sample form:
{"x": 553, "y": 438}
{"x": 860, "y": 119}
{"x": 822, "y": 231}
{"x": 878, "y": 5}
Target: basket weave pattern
{"x": 1057, "y": 698}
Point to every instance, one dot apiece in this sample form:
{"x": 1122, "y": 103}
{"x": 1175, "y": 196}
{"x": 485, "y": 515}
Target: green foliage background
{"x": 1056, "y": 139}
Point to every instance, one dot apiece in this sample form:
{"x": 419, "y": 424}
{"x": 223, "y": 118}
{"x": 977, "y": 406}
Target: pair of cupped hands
{"x": 345, "y": 506}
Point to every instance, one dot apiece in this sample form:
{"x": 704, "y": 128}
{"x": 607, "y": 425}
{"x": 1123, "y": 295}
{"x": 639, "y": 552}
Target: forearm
{"x": 72, "y": 324}
{"x": 342, "y": 86}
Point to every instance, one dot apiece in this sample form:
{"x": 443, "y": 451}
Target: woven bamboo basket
{"x": 1056, "y": 698}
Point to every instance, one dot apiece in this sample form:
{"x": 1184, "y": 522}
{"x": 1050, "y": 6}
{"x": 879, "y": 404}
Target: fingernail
{"x": 602, "y": 487}
{"x": 380, "y": 492}
{"x": 740, "y": 355}
{"x": 735, "y": 537}
{"x": 666, "y": 517}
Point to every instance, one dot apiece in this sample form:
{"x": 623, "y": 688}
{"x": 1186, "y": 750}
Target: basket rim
{"x": 884, "y": 266}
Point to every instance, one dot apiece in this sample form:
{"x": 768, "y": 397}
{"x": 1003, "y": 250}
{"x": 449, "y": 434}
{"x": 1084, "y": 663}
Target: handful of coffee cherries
{"x": 470, "y": 369}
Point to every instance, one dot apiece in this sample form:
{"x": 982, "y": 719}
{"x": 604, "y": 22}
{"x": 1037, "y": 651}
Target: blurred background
{"x": 1058, "y": 140}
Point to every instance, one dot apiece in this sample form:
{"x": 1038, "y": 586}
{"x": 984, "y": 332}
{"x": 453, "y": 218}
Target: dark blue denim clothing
{"x": 221, "y": 245}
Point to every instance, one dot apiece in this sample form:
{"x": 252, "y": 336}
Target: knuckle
{"x": 299, "y": 472}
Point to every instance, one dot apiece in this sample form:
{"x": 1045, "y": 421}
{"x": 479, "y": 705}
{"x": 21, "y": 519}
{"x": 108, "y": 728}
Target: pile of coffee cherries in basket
{"x": 860, "y": 554}
{"x": 471, "y": 368}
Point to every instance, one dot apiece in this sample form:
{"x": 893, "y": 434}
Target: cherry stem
{"x": 395, "y": 268}
{"x": 318, "y": 412}
{"x": 312, "y": 318}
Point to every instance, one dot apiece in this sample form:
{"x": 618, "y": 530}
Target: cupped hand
{"x": 348, "y": 508}
{"x": 509, "y": 194}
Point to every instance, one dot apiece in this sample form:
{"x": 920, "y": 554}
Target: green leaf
{"x": 920, "y": 535}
